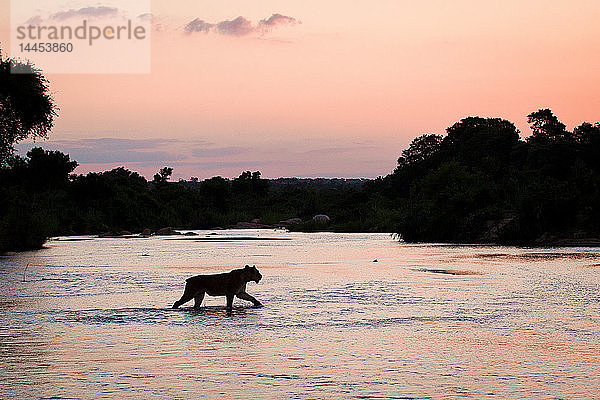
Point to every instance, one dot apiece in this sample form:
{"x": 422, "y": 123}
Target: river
{"x": 345, "y": 316}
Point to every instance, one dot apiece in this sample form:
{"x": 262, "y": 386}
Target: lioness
{"x": 228, "y": 284}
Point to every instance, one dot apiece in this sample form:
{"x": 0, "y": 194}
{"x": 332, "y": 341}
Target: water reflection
{"x": 92, "y": 319}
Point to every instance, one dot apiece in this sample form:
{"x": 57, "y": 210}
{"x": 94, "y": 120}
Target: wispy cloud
{"x": 159, "y": 23}
{"x": 239, "y": 26}
{"x": 109, "y": 150}
{"x": 35, "y": 20}
{"x": 198, "y": 25}
{"x": 202, "y": 158}
{"x": 86, "y": 12}
{"x": 116, "y": 143}
{"x": 146, "y": 17}
{"x": 117, "y": 150}
{"x": 236, "y": 27}
{"x": 64, "y": 16}
{"x": 219, "y": 151}
{"x": 213, "y": 165}
{"x": 277, "y": 20}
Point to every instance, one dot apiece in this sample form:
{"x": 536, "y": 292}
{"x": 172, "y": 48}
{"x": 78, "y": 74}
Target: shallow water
{"x": 91, "y": 319}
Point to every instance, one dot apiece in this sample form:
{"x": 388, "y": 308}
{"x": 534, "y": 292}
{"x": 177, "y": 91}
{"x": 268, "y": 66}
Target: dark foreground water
{"x": 90, "y": 319}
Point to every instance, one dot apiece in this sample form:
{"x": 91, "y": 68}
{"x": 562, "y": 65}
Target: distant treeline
{"x": 478, "y": 183}
{"x": 40, "y": 197}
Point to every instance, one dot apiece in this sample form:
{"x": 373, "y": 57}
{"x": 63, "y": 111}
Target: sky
{"x": 334, "y": 89}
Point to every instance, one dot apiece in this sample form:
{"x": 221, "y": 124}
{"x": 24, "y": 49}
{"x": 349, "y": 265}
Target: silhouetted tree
{"x": 48, "y": 169}
{"x": 33, "y": 193}
{"x": 249, "y": 182}
{"x": 588, "y": 134}
{"x": 26, "y": 106}
{"x": 216, "y": 191}
{"x": 163, "y": 175}
{"x": 475, "y": 138}
{"x": 478, "y": 183}
{"x": 485, "y": 184}
{"x": 546, "y": 127}
{"x": 420, "y": 149}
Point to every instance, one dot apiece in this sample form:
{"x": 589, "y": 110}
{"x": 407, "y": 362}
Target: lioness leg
{"x": 247, "y": 297}
{"x": 198, "y": 299}
{"x": 188, "y": 294}
{"x": 229, "y": 303}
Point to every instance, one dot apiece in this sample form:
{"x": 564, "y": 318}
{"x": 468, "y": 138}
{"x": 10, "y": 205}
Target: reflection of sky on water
{"x": 88, "y": 318}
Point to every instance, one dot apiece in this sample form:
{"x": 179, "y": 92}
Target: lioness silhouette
{"x": 228, "y": 284}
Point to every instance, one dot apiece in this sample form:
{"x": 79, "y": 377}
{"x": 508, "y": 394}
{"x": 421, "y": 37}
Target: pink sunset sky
{"x": 340, "y": 94}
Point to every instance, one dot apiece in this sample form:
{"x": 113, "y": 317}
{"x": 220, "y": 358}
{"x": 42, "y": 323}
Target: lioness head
{"x": 252, "y": 274}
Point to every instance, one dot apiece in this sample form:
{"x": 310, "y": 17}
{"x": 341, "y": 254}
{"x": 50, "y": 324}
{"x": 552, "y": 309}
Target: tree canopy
{"x": 484, "y": 184}
{"x": 26, "y": 105}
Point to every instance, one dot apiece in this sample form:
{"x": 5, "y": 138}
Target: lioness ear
{"x": 247, "y": 266}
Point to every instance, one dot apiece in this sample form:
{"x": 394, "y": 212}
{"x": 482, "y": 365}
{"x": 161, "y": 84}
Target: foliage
{"x": 163, "y": 175}
{"x": 420, "y": 149}
{"x": 484, "y": 184}
{"x": 546, "y": 127}
{"x": 26, "y": 106}
{"x": 33, "y": 192}
{"x": 478, "y": 183}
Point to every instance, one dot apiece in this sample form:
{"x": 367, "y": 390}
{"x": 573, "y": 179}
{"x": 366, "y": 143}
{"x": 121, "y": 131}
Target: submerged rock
{"x": 251, "y": 225}
{"x": 146, "y": 232}
{"x": 290, "y": 221}
{"x": 321, "y": 218}
{"x": 578, "y": 240}
{"x": 167, "y": 232}
{"x": 106, "y": 235}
